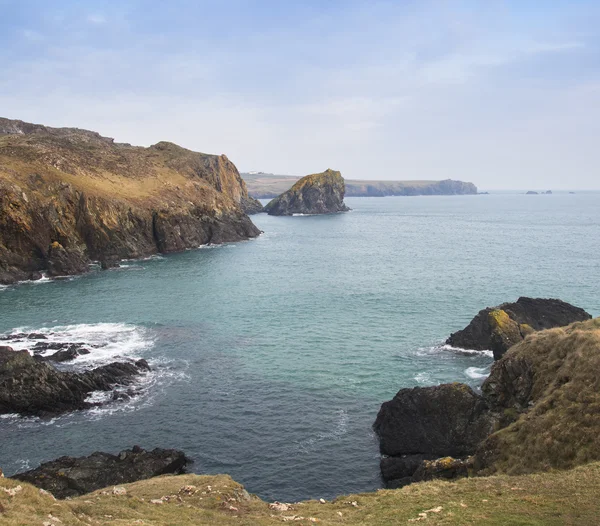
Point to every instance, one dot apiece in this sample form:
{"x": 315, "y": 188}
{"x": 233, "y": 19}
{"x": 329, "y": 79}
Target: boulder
{"x": 71, "y": 477}
{"x": 499, "y": 328}
{"x": 430, "y": 422}
{"x": 321, "y": 193}
{"x": 35, "y": 388}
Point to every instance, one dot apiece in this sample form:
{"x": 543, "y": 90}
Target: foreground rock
{"x": 34, "y": 388}
{"x": 425, "y": 423}
{"x": 71, "y": 477}
{"x": 321, "y": 193}
{"x": 499, "y": 328}
{"x": 537, "y": 411}
{"x": 69, "y": 197}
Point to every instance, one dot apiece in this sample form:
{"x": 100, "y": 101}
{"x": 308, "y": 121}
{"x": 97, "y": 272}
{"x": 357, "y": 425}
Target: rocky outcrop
{"x": 425, "y": 423}
{"x": 251, "y": 205}
{"x": 499, "y": 328}
{"x": 35, "y": 388}
{"x": 71, "y": 477}
{"x": 70, "y": 196}
{"x": 537, "y": 411}
{"x": 321, "y": 193}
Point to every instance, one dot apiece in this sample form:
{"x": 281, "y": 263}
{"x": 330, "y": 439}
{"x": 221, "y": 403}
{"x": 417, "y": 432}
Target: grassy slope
{"x": 553, "y": 498}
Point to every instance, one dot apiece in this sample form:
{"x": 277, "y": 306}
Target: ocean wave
{"x": 105, "y": 342}
{"x": 477, "y": 373}
{"x": 445, "y": 348}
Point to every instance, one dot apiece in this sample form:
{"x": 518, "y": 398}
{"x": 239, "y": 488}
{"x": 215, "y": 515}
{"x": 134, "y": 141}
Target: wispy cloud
{"x": 96, "y": 18}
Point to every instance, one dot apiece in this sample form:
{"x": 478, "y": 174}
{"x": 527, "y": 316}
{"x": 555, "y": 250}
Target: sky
{"x": 505, "y": 94}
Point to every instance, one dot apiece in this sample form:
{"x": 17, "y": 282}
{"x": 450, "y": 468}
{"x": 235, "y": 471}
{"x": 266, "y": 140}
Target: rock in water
{"x": 71, "y": 477}
{"x": 321, "y": 193}
{"x": 499, "y": 328}
{"x": 251, "y": 205}
{"x": 69, "y": 197}
{"x": 430, "y": 422}
{"x": 32, "y": 387}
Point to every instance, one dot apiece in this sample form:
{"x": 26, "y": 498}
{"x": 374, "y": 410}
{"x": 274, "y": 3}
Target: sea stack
{"x": 321, "y": 193}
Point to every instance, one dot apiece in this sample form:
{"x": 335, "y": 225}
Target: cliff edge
{"x": 70, "y": 196}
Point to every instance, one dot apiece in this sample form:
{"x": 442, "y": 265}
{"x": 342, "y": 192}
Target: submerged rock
{"x": 321, "y": 193}
{"x": 71, "y": 477}
{"x": 499, "y": 328}
{"x": 35, "y": 388}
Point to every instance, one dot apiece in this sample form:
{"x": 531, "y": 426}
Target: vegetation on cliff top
{"x": 557, "y": 498}
{"x": 555, "y": 393}
{"x": 102, "y": 200}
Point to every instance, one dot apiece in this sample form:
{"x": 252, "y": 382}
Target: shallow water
{"x": 271, "y": 357}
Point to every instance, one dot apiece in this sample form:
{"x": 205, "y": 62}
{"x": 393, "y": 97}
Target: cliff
{"x": 268, "y": 186}
{"x": 321, "y": 193}
{"x": 70, "y": 196}
{"x": 538, "y": 411}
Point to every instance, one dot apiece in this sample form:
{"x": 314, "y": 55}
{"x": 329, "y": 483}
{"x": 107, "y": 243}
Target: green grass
{"x": 569, "y": 497}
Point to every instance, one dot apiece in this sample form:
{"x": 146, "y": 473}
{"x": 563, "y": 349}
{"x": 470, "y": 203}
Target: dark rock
{"x": 444, "y": 420}
{"x": 531, "y": 192}
{"x": 37, "y": 336}
{"x": 321, "y": 193}
{"x": 72, "y": 352}
{"x": 71, "y": 477}
{"x": 499, "y": 328}
{"x": 109, "y": 263}
{"x": 33, "y": 387}
{"x": 394, "y": 469}
{"x": 443, "y": 468}
{"x": 251, "y": 205}
{"x": 66, "y": 262}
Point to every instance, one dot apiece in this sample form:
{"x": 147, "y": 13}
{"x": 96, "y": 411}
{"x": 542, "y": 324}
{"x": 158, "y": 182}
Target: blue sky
{"x": 504, "y": 94}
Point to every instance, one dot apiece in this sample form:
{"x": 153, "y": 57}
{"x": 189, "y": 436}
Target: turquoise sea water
{"x": 273, "y": 356}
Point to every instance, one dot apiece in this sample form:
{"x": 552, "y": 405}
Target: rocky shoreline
{"x": 450, "y": 431}
{"x": 69, "y": 197}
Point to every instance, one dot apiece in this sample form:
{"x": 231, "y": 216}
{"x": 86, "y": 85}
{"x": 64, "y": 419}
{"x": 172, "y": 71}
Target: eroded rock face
{"x": 71, "y": 477}
{"x": 70, "y": 196}
{"x": 430, "y": 422}
{"x": 499, "y": 328}
{"x": 35, "y": 388}
{"x": 251, "y": 205}
{"x": 321, "y": 193}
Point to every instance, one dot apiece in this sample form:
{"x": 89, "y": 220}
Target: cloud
{"x": 96, "y": 19}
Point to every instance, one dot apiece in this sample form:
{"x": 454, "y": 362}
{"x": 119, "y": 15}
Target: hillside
{"x": 558, "y": 498}
{"x": 268, "y": 186}
{"x": 70, "y": 196}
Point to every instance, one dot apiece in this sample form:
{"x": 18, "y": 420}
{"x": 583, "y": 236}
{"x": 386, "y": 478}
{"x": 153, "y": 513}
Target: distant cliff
{"x": 268, "y": 186}
{"x": 70, "y": 196}
{"x": 321, "y": 193}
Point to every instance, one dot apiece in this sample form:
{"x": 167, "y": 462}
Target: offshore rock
{"x": 69, "y": 197}
{"x": 321, "y": 193}
{"x": 34, "y": 388}
{"x": 71, "y": 477}
{"x": 499, "y": 328}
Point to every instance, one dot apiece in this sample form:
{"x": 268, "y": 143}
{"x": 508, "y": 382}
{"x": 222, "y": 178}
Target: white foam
{"x": 458, "y": 350}
{"x": 423, "y": 378}
{"x": 477, "y": 373}
{"x": 106, "y": 342}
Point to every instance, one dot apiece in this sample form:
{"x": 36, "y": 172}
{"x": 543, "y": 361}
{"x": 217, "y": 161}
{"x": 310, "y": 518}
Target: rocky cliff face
{"x": 406, "y": 188}
{"x": 70, "y": 196}
{"x": 537, "y": 411}
{"x": 321, "y": 193}
{"x": 499, "y": 328}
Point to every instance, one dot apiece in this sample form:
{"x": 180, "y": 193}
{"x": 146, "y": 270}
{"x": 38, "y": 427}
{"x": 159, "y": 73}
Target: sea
{"x": 271, "y": 357}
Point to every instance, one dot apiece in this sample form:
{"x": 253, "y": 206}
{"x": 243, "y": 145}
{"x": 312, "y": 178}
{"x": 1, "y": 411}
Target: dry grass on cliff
{"x": 561, "y": 430}
{"x": 549, "y": 499}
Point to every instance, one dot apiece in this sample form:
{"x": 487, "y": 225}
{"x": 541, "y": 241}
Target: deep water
{"x": 273, "y": 356}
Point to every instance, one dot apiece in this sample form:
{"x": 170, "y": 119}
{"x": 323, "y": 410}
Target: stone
{"x": 499, "y": 328}
{"x": 321, "y": 193}
{"x": 71, "y": 477}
